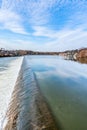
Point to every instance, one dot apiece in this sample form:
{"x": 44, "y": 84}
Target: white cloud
{"x": 63, "y": 39}
{"x": 50, "y": 33}
{"x": 26, "y": 44}
{"x": 11, "y": 21}
{"x": 43, "y": 31}
{"x": 76, "y": 39}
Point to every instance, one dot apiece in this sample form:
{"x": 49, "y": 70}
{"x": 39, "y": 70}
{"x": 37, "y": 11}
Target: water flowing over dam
{"x": 27, "y": 109}
{"x": 9, "y": 70}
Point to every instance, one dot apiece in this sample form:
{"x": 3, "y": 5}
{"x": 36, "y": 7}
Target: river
{"x": 62, "y": 82}
{"x": 64, "y": 85}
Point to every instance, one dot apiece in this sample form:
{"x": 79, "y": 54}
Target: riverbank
{"x": 68, "y": 54}
{"x": 14, "y": 53}
{"x": 74, "y": 54}
{"x": 28, "y": 109}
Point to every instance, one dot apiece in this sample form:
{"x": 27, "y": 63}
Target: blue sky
{"x": 43, "y": 25}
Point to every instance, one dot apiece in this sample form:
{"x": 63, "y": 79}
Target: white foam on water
{"x": 7, "y": 82}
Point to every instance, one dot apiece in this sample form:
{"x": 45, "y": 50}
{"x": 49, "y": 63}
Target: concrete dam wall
{"x": 27, "y": 109}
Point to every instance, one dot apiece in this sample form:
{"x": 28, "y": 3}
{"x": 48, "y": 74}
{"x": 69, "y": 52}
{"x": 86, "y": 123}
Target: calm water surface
{"x": 64, "y": 85}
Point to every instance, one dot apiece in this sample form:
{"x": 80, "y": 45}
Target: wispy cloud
{"x": 72, "y": 40}
{"x": 59, "y": 41}
{"x": 43, "y": 31}
{"x": 11, "y": 21}
{"x": 37, "y": 12}
{"x": 63, "y": 39}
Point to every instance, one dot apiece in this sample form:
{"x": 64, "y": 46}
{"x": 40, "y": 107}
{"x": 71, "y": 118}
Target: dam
{"x": 27, "y": 109}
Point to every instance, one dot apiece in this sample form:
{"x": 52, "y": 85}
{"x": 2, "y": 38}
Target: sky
{"x": 43, "y": 25}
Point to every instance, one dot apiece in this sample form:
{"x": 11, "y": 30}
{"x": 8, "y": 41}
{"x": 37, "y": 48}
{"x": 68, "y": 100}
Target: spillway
{"x": 28, "y": 109}
{"x": 9, "y": 70}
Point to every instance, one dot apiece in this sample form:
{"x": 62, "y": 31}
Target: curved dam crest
{"x": 28, "y": 109}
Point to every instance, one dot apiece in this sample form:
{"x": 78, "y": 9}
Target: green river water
{"x": 64, "y": 85}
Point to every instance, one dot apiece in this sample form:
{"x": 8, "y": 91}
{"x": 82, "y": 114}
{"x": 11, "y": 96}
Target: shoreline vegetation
{"x": 75, "y": 54}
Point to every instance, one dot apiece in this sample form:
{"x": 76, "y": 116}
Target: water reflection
{"x": 42, "y": 68}
{"x": 82, "y": 60}
{"x": 64, "y": 87}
